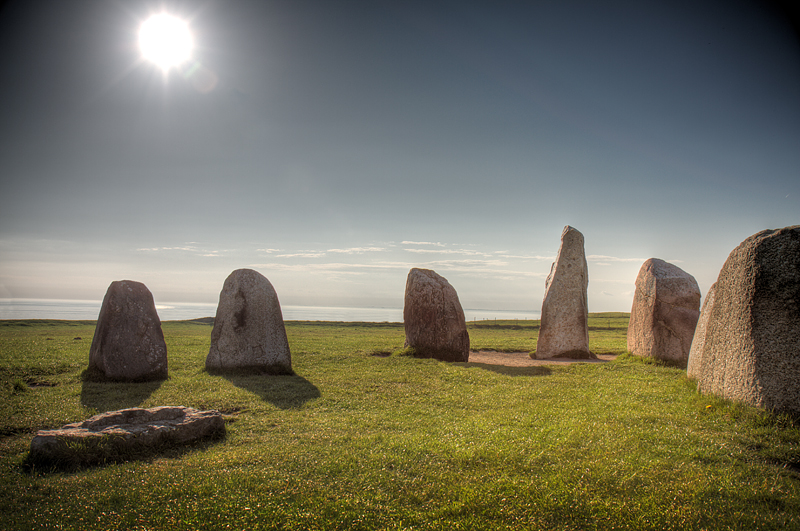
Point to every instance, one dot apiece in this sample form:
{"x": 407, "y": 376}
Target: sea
{"x": 178, "y": 311}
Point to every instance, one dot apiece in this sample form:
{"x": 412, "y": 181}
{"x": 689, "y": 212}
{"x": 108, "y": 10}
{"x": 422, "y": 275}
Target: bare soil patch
{"x": 523, "y": 359}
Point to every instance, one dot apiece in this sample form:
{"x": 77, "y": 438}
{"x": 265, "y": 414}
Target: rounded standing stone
{"x": 666, "y": 306}
{"x": 750, "y": 348}
{"x": 249, "y": 332}
{"x": 564, "y": 329}
{"x": 128, "y": 343}
{"x": 433, "y": 318}
{"x": 695, "y": 362}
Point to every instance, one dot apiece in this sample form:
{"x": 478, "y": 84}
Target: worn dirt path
{"x": 523, "y": 359}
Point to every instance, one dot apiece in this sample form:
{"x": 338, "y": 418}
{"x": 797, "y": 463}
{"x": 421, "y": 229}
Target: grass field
{"x": 362, "y": 437}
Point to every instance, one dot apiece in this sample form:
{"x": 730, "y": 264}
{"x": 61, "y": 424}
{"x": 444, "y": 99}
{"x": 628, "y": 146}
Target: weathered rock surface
{"x": 666, "y": 306}
{"x": 695, "y": 361}
{"x": 750, "y": 351}
{"x": 119, "y": 435}
{"x": 564, "y": 330}
{"x": 248, "y": 329}
{"x": 128, "y": 343}
{"x": 433, "y": 317}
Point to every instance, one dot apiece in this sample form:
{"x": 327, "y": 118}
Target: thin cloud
{"x": 504, "y": 254}
{"x": 328, "y": 266}
{"x": 466, "y": 252}
{"x": 604, "y": 258}
{"x": 156, "y": 249}
{"x": 303, "y": 254}
{"x": 186, "y": 249}
{"x": 466, "y": 262}
{"x": 435, "y": 244}
{"x": 358, "y": 250}
{"x": 481, "y": 268}
{"x": 269, "y": 251}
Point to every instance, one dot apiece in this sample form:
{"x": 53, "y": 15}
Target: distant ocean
{"x": 79, "y": 310}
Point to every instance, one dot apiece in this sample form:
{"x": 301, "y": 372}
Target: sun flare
{"x": 165, "y": 40}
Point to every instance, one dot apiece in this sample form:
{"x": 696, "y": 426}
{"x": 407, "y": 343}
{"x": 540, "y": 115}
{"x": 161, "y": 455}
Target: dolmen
{"x": 120, "y": 435}
{"x": 564, "y": 329}
{"x": 666, "y": 307}
{"x": 747, "y": 344}
{"x": 433, "y": 318}
{"x": 128, "y": 343}
{"x": 249, "y": 333}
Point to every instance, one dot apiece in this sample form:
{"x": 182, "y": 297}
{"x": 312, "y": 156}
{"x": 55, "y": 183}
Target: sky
{"x": 332, "y": 146}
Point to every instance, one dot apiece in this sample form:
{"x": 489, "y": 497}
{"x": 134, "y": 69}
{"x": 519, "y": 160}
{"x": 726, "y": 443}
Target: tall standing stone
{"x": 564, "y": 329}
{"x": 248, "y": 329}
{"x": 750, "y": 351}
{"x": 128, "y": 343}
{"x": 433, "y": 317}
{"x": 666, "y": 306}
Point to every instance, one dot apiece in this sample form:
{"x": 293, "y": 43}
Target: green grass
{"x": 362, "y": 437}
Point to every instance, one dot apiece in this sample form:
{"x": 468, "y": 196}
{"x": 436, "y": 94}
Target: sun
{"x": 165, "y": 40}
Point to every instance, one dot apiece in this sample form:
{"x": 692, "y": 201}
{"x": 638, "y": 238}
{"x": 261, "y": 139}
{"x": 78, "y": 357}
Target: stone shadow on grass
{"x": 284, "y": 391}
{"x": 99, "y": 460}
{"x": 111, "y": 396}
{"x": 535, "y": 370}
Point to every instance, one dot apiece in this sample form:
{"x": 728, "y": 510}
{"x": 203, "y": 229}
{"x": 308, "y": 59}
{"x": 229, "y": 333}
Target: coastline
{"x": 88, "y": 309}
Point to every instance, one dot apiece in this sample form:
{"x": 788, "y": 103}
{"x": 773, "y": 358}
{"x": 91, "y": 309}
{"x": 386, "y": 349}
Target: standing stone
{"x": 433, "y": 318}
{"x": 248, "y": 329}
{"x": 128, "y": 343}
{"x": 664, "y": 314}
{"x": 750, "y": 351}
{"x": 564, "y": 329}
{"x": 695, "y": 362}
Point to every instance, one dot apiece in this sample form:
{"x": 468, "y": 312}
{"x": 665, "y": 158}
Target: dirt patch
{"x": 523, "y": 359}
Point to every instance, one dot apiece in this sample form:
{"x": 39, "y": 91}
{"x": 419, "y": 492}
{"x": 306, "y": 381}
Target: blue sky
{"x": 345, "y": 142}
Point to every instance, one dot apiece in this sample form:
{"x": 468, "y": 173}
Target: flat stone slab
{"x": 123, "y": 434}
